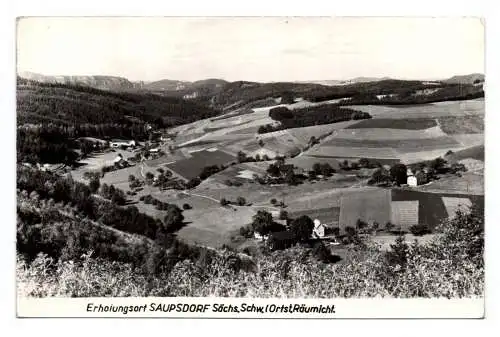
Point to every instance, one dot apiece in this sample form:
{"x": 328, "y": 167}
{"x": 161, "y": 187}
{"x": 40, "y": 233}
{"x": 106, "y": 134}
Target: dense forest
{"x": 70, "y": 104}
{"x": 246, "y": 92}
{"x": 63, "y": 218}
{"x": 51, "y": 116}
{"x": 314, "y": 115}
{"x": 451, "y": 92}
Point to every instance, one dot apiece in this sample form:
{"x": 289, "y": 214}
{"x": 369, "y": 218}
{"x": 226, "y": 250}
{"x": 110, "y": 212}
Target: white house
{"x": 318, "y": 230}
{"x": 118, "y": 159}
{"x": 191, "y": 96}
{"x": 412, "y": 181}
{"x": 260, "y": 237}
{"x": 121, "y": 142}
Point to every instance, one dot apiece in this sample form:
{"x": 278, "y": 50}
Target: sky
{"x": 252, "y": 49}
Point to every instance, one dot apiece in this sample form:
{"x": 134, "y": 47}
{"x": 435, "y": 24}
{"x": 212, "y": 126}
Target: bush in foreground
{"x": 451, "y": 265}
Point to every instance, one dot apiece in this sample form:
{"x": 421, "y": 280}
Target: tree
{"x": 161, "y": 170}
{"x": 313, "y": 141}
{"x": 350, "y": 231}
{"x": 273, "y": 201}
{"x": 273, "y": 170}
{"x": 186, "y": 206}
{"x": 149, "y": 176}
{"x": 364, "y": 162}
{"x": 316, "y": 168}
{"x": 302, "y": 227}
{"x": 174, "y": 218}
{"x": 262, "y": 222}
{"x": 94, "y": 184}
{"x": 398, "y": 254}
{"x": 389, "y": 226}
{"x": 242, "y": 157}
{"x": 283, "y": 215}
{"x": 438, "y": 165}
{"x": 398, "y": 173}
{"x": 261, "y": 143}
{"x": 131, "y": 178}
{"x": 224, "y": 202}
{"x": 241, "y": 201}
{"x": 420, "y": 229}
{"x": 326, "y": 169}
{"x": 380, "y": 176}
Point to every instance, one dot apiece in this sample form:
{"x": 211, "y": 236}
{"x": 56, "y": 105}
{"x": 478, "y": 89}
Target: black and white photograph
{"x": 290, "y": 158}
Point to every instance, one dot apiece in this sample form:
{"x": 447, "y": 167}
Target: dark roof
{"x": 121, "y": 140}
{"x": 283, "y": 235}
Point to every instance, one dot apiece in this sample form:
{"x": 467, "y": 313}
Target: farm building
{"x": 95, "y": 141}
{"x": 318, "y": 230}
{"x": 411, "y": 180}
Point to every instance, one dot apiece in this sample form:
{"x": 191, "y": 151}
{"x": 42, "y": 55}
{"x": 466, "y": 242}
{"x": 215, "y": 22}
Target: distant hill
{"x": 174, "y": 85}
{"x": 167, "y": 85}
{"x": 346, "y": 82}
{"x": 71, "y": 104}
{"x": 95, "y": 81}
{"x": 465, "y": 79}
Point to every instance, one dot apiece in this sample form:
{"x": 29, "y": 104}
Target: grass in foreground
{"x": 450, "y": 266}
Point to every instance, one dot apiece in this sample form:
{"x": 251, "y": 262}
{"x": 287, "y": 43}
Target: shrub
{"x": 224, "y": 202}
{"x": 273, "y": 201}
{"x": 241, "y": 201}
{"x": 186, "y": 206}
{"x": 420, "y": 229}
{"x": 246, "y": 232}
{"x": 148, "y": 199}
{"x": 283, "y": 215}
{"x": 302, "y": 227}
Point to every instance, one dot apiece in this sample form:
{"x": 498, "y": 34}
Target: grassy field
{"x": 453, "y": 125}
{"x": 367, "y": 205}
{"x": 470, "y": 140}
{"x": 386, "y": 134}
{"x": 469, "y": 183}
{"x": 400, "y": 144}
{"x": 328, "y": 215}
{"x": 353, "y": 152}
{"x": 432, "y": 110}
{"x": 386, "y": 123}
{"x": 191, "y": 167}
{"x": 475, "y": 152}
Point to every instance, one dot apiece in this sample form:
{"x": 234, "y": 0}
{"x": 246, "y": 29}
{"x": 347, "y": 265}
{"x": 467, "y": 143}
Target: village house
{"x": 191, "y": 96}
{"x": 121, "y": 142}
{"x": 318, "y": 230}
{"x": 411, "y": 179}
{"x": 119, "y": 161}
